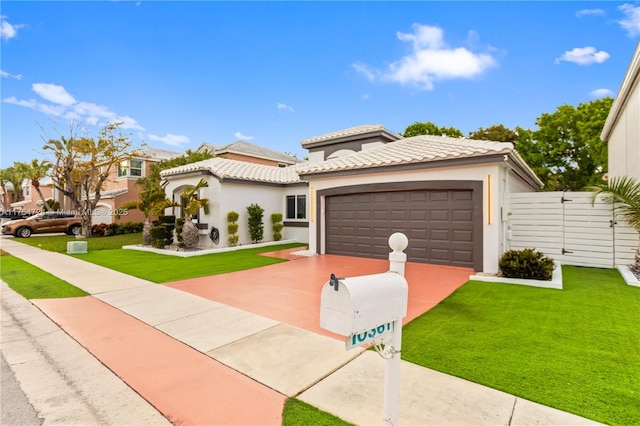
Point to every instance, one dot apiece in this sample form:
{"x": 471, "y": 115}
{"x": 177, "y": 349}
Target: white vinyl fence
{"x": 566, "y": 227}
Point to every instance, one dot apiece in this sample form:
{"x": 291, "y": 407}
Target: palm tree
{"x": 192, "y": 205}
{"x": 3, "y": 186}
{"x": 35, "y": 171}
{"x": 626, "y": 191}
{"x": 15, "y": 175}
{"x": 150, "y": 202}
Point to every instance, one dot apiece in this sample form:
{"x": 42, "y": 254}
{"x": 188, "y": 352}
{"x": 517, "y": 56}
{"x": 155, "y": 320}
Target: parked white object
{"x": 370, "y": 309}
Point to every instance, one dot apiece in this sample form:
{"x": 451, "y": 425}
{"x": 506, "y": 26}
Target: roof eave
{"x": 623, "y": 94}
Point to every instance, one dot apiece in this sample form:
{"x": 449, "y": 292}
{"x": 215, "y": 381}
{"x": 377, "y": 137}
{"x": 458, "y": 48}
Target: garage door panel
{"x": 438, "y": 223}
{"x": 439, "y": 215}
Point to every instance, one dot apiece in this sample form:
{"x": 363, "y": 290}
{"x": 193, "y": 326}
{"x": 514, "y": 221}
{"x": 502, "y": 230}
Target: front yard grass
{"x": 577, "y": 350}
{"x": 299, "y": 413}
{"x": 58, "y": 243}
{"x": 160, "y": 268}
{"x": 34, "y": 283}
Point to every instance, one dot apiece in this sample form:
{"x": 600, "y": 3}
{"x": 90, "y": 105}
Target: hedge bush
{"x": 526, "y": 263}
{"x": 232, "y": 227}
{"x": 276, "y": 220}
{"x": 158, "y": 236}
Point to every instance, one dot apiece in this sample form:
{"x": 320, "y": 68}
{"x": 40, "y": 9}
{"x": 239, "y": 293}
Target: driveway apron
{"x": 289, "y": 292}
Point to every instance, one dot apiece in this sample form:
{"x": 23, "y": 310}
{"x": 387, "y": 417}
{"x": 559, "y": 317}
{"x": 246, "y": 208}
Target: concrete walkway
{"x": 198, "y": 361}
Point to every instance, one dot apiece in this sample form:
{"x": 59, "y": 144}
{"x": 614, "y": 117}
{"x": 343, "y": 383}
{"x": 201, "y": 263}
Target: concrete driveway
{"x": 289, "y": 292}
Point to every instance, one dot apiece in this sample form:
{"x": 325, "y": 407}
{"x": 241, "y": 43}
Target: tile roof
{"x": 351, "y": 131}
{"x": 247, "y": 148}
{"x": 159, "y": 154}
{"x": 417, "y": 149}
{"x": 232, "y": 169}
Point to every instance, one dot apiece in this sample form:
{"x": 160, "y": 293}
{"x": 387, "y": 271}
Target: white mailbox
{"x": 353, "y": 305}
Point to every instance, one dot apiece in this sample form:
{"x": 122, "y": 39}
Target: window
{"x": 130, "y": 168}
{"x": 26, "y": 191}
{"x": 296, "y": 206}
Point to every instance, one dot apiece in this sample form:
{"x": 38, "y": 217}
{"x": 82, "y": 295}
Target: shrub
{"x": 276, "y": 219}
{"x": 232, "y": 228}
{"x": 158, "y": 236}
{"x": 169, "y": 223}
{"x": 527, "y": 263}
{"x": 256, "y": 226}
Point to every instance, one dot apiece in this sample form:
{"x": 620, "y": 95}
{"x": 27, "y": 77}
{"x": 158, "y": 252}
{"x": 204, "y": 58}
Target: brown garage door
{"x": 439, "y": 224}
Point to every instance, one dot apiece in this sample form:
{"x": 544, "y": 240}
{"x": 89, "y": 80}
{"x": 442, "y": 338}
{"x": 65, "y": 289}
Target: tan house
{"x": 622, "y": 129}
{"x": 251, "y": 153}
{"x": 121, "y": 188}
{"x": 31, "y": 201}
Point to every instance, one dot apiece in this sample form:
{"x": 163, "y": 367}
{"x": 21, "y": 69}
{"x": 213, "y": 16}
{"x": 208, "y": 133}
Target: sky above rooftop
{"x": 274, "y": 73}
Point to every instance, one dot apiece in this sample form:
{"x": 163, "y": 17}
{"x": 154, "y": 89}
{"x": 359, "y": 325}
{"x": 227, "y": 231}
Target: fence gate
{"x": 566, "y": 227}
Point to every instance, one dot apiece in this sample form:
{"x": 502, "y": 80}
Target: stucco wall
{"x": 624, "y": 142}
{"x": 489, "y": 174}
{"x": 232, "y": 196}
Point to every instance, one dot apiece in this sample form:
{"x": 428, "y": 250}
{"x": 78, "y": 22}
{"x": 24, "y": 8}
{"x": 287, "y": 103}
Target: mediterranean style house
{"x": 360, "y": 185}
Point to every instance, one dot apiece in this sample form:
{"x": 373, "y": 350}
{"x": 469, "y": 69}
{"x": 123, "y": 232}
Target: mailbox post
{"x": 370, "y": 309}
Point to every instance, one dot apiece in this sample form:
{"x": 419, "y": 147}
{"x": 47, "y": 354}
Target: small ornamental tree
{"x": 232, "y": 228}
{"x": 276, "y": 220}
{"x": 256, "y": 226}
{"x": 193, "y": 204}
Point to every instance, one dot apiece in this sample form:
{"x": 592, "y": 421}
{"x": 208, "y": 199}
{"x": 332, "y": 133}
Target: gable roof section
{"x": 225, "y": 169}
{"x": 630, "y": 77}
{"x": 252, "y": 150}
{"x": 159, "y": 154}
{"x": 357, "y": 132}
{"x": 421, "y": 150}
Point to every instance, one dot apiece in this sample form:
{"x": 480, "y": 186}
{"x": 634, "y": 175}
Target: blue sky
{"x": 274, "y": 73}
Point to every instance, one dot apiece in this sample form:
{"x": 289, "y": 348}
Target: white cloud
{"x": 285, "y": 107}
{"x": 431, "y": 60}
{"x": 583, "y": 56}
{"x": 242, "y": 137}
{"x": 61, "y": 103}
{"x": 589, "y": 12}
{"x": 365, "y": 96}
{"x": 8, "y": 30}
{"x": 53, "y": 93}
{"x": 170, "y": 139}
{"x": 631, "y": 22}
{"x": 601, "y": 93}
{"x": 5, "y": 74}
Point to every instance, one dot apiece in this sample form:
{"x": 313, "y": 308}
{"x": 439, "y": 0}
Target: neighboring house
{"x": 32, "y": 201}
{"x": 121, "y": 187}
{"x": 450, "y": 196}
{"x": 233, "y": 186}
{"x": 622, "y": 129}
{"x": 250, "y": 153}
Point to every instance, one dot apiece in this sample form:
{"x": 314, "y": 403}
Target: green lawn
{"x": 577, "y": 350}
{"x": 34, "y": 283}
{"x": 161, "y": 268}
{"x": 58, "y": 243}
{"x": 298, "y": 413}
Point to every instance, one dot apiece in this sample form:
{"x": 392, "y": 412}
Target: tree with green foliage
{"x": 428, "y": 128}
{"x": 150, "y": 202}
{"x": 35, "y": 171}
{"x": 496, "y": 133}
{"x": 566, "y": 151}
{"x": 83, "y": 164}
{"x": 192, "y": 204}
{"x": 255, "y": 222}
{"x": 153, "y": 179}
{"x": 232, "y": 228}
{"x": 16, "y": 175}
{"x": 625, "y": 191}
{"x": 6, "y": 202}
